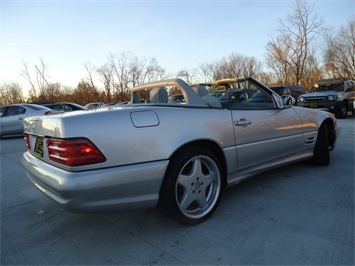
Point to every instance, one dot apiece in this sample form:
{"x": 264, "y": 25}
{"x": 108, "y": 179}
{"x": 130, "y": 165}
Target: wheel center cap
{"x": 197, "y": 185}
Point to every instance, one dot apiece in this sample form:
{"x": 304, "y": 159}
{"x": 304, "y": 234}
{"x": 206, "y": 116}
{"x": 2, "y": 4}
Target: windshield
{"x": 176, "y": 98}
{"x": 229, "y": 95}
{"x": 327, "y": 87}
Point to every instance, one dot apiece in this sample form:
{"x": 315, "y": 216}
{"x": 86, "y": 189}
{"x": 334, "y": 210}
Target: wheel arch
{"x": 331, "y": 132}
{"x": 212, "y": 146}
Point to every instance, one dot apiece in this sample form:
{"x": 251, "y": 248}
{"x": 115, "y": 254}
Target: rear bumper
{"x": 116, "y": 188}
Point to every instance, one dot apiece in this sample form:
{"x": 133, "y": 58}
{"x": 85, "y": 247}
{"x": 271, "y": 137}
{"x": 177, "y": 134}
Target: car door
{"x": 264, "y": 132}
{"x": 12, "y": 119}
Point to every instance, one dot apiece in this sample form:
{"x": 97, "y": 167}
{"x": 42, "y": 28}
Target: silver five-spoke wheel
{"x": 192, "y": 186}
{"x": 198, "y": 186}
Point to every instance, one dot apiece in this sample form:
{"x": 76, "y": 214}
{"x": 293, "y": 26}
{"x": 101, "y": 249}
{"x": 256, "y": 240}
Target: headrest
{"x": 200, "y": 90}
{"x": 158, "y": 95}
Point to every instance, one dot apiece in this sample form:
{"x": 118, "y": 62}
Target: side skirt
{"x": 237, "y": 177}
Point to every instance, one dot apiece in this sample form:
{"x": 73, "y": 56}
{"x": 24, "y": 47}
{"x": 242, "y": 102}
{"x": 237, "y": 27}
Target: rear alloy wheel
{"x": 192, "y": 187}
{"x": 321, "y": 150}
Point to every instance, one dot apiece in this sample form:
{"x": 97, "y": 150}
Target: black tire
{"x": 343, "y": 110}
{"x": 321, "y": 150}
{"x": 192, "y": 187}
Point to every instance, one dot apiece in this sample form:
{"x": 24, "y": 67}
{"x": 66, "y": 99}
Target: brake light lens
{"x": 27, "y": 140}
{"x": 74, "y": 152}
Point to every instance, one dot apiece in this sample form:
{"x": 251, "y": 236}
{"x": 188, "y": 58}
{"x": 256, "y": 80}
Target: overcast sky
{"x": 179, "y": 34}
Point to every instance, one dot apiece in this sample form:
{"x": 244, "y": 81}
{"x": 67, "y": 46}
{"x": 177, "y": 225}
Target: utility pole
{"x": 39, "y": 72}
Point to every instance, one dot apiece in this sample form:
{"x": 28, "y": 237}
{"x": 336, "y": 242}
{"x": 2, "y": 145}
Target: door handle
{"x": 242, "y": 122}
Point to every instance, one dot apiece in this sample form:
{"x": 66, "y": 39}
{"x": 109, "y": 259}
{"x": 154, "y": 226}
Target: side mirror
{"x": 288, "y": 100}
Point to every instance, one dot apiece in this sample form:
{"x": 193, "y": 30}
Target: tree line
{"x": 291, "y": 58}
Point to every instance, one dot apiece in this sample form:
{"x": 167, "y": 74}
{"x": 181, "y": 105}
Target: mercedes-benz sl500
{"x": 178, "y": 157}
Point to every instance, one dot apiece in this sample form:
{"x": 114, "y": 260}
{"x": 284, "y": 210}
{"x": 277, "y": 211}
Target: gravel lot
{"x": 295, "y": 215}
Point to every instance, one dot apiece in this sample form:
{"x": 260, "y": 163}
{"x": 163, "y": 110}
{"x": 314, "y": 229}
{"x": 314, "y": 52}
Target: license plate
{"x": 38, "y": 150}
{"x": 314, "y": 105}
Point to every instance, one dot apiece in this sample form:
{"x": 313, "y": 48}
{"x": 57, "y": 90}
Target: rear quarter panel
{"x": 123, "y": 143}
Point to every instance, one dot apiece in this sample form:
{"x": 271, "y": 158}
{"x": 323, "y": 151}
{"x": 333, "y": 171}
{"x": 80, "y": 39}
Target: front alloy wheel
{"x": 343, "y": 110}
{"x": 192, "y": 187}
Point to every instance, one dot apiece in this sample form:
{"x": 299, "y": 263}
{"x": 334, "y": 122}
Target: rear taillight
{"x": 48, "y": 113}
{"x": 74, "y": 152}
{"x": 27, "y": 140}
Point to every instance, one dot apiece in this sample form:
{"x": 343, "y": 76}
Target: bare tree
{"x": 207, "y": 71}
{"x": 41, "y": 77}
{"x": 11, "y": 93}
{"x": 25, "y": 73}
{"x": 85, "y": 93}
{"x": 125, "y": 71}
{"x": 340, "y": 52}
{"x": 235, "y": 65}
{"x": 151, "y": 71}
{"x": 267, "y": 78}
{"x": 119, "y": 67}
{"x": 277, "y": 53}
{"x": 186, "y": 75}
{"x": 90, "y": 70}
{"x": 38, "y": 81}
{"x": 287, "y": 55}
{"x": 106, "y": 74}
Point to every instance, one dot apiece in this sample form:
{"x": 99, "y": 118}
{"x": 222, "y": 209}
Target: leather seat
{"x": 211, "y": 100}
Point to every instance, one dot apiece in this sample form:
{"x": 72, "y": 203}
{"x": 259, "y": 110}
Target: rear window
{"x": 37, "y": 107}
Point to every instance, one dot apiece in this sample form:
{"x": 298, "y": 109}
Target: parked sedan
{"x": 177, "y": 157}
{"x": 12, "y": 116}
{"x": 65, "y": 107}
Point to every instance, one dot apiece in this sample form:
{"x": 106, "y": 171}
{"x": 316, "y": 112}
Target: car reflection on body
{"x": 176, "y": 157}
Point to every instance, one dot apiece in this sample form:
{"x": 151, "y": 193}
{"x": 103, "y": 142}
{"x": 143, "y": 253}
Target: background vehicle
{"x": 293, "y": 90}
{"x": 12, "y": 116}
{"x": 93, "y": 105}
{"x": 65, "y": 107}
{"x": 177, "y": 157}
{"x": 333, "y": 95}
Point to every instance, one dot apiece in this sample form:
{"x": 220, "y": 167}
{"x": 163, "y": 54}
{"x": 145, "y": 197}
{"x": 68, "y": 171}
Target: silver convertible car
{"x": 177, "y": 157}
